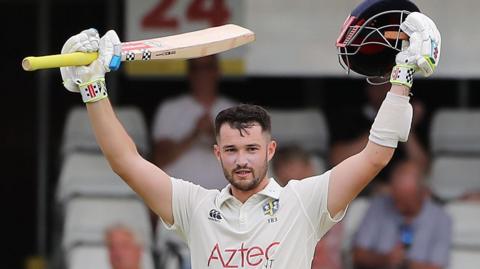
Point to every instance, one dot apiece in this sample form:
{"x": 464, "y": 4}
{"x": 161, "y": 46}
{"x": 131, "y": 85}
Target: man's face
{"x": 244, "y": 159}
{"x": 124, "y": 252}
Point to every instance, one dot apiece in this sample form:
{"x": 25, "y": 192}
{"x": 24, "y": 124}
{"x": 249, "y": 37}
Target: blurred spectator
{"x": 471, "y": 196}
{"x": 349, "y": 139}
{"x": 405, "y": 229}
{"x": 291, "y": 162}
{"x": 124, "y": 248}
{"x": 183, "y": 131}
{"x": 294, "y": 163}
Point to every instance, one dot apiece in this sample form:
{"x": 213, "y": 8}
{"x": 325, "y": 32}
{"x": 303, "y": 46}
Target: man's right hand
{"x": 89, "y": 80}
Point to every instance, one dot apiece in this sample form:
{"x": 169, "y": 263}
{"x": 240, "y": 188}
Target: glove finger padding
{"x": 86, "y": 41}
{"x": 425, "y": 42}
{"x": 108, "y": 42}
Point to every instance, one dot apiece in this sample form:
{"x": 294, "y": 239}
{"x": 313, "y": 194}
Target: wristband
{"x": 393, "y": 121}
{"x": 93, "y": 91}
{"x": 402, "y": 75}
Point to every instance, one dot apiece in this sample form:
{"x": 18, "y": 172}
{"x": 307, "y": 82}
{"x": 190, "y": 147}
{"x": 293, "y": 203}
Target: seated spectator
{"x": 294, "y": 163}
{"x": 405, "y": 229}
{"x": 350, "y": 139}
{"x": 124, "y": 248}
{"x": 183, "y": 132}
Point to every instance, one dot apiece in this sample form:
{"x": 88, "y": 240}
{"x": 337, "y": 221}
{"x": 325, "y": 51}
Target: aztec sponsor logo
{"x": 243, "y": 257}
{"x": 214, "y": 215}
{"x": 270, "y": 208}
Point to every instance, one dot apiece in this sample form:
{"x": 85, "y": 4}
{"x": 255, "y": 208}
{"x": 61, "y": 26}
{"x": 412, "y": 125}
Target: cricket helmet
{"x": 362, "y": 45}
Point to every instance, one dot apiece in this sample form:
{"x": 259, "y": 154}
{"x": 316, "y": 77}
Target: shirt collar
{"x": 272, "y": 190}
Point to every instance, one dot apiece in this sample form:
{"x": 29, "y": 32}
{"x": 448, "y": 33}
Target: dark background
{"x": 19, "y": 106}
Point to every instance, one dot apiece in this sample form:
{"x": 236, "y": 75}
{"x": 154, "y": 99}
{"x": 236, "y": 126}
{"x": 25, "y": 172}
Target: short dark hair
{"x": 242, "y": 117}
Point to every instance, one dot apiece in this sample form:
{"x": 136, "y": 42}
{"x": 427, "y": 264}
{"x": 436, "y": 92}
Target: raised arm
{"x": 147, "y": 180}
{"x": 394, "y": 118}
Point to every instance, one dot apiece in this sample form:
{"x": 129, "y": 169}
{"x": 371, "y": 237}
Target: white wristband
{"x": 393, "y": 121}
{"x": 93, "y": 91}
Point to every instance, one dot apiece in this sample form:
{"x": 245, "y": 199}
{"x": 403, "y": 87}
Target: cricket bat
{"x": 182, "y": 46}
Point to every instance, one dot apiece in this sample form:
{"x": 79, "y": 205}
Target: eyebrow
{"x": 253, "y": 145}
{"x": 233, "y": 146}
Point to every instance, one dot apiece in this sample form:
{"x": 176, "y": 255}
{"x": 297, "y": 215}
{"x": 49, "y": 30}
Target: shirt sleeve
{"x": 440, "y": 254}
{"x": 313, "y": 195}
{"x": 185, "y": 197}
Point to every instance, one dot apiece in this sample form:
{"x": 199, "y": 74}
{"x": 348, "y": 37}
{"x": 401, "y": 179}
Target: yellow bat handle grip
{"x": 59, "y": 60}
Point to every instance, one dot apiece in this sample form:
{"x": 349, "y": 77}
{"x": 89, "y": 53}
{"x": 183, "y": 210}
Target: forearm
{"x": 391, "y": 125}
{"x": 112, "y": 138}
{"x": 379, "y": 155}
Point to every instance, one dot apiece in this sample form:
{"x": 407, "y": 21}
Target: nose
{"x": 241, "y": 159}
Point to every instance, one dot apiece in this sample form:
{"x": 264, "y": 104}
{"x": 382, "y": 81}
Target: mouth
{"x": 243, "y": 172}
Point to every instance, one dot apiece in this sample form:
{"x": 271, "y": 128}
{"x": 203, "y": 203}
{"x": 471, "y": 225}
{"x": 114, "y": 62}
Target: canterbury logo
{"x": 214, "y": 215}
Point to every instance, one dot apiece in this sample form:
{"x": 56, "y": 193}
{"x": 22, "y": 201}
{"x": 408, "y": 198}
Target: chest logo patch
{"x": 214, "y": 215}
{"x": 271, "y": 207}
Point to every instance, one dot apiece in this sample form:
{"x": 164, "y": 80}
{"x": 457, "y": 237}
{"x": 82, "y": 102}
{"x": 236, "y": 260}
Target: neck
{"x": 243, "y": 196}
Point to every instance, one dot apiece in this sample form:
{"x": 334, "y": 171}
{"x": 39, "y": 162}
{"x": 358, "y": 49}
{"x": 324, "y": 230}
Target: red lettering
{"x": 216, "y": 15}
{"x": 157, "y": 18}
{"x": 249, "y": 256}
{"x": 219, "y": 257}
{"x": 252, "y": 254}
{"x": 242, "y": 252}
{"x": 267, "y": 251}
{"x": 233, "y": 251}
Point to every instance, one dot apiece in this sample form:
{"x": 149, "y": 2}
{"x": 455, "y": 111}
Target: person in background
{"x": 405, "y": 229}
{"x": 294, "y": 163}
{"x": 183, "y": 132}
{"x": 124, "y": 248}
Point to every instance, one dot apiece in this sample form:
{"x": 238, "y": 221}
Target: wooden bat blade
{"x": 189, "y": 45}
{"x": 182, "y": 46}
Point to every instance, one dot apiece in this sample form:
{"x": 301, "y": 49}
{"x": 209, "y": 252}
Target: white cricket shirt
{"x": 277, "y": 228}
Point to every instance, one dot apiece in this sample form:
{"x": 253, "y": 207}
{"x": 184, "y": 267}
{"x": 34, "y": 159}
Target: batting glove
{"x": 422, "y": 53}
{"x": 90, "y": 80}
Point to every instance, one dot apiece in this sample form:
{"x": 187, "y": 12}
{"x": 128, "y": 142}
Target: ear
{"x": 272, "y": 146}
{"x": 216, "y": 151}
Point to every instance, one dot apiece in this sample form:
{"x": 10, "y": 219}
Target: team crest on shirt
{"x": 270, "y": 208}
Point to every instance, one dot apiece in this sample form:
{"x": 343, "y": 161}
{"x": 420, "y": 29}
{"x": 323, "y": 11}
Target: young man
{"x": 253, "y": 222}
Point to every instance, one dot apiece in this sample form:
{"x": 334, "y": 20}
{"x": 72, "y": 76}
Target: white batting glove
{"x": 90, "y": 80}
{"x": 422, "y": 53}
